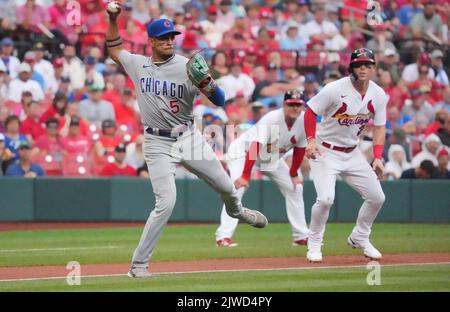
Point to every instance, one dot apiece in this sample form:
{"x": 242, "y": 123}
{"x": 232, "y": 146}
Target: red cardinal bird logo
{"x": 341, "y": 110}
{"x": 370, "y": 107}
{"x": 293, "y": 140}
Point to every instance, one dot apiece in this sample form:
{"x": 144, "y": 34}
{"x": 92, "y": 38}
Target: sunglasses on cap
{"x": 294, "y": 103}
{"x": 359, "y": 64}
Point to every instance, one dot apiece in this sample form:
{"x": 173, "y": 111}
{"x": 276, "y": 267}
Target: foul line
{"x": 59, "y": 249}
{"x": 230, "y": 271}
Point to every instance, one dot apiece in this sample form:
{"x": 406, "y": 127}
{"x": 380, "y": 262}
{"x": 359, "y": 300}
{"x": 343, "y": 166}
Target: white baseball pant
{"x": 356, "y": 172}
{"x": 295, "y": 207}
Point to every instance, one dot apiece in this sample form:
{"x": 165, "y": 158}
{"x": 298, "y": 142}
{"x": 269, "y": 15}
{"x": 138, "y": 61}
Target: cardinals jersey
{"x": 345, "y": 113}
{"x": 273, "y": 135}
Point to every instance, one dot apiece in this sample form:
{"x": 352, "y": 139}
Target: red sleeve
{"x": 310, "y": 123}
{"x": 131, "y": 171}
{"x": 107, "y": 171}
{"x": 50, "y": 112}
{"x": 25, "y": 127}
{"x": 250, "y": 158}
{"x": 299, "y": 153}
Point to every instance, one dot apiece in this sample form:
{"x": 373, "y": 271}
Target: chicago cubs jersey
{"x": 272, "y": 133}
{"x": 164, "y": 93}
{"x": 345, "y": 113}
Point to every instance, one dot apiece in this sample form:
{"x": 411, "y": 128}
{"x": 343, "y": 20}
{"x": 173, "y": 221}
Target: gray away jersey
{"x": 165, "y": 94}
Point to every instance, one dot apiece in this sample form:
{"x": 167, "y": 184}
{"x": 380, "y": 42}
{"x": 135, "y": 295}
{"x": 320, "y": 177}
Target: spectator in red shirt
{"x": 32, "y": 126}
{"x": 75, "y": 142}
{"x": 57, "y": 110}
{"x": 109, "y": 139}
{"x": 240, "y": 110}
{"x": 118, "y": 167}
{"x": 438, "y": 123}
{"x": 126, "y": 113}
{"x": 265, "y": 45}
{"x": 50, "y": 143}
{"x": 113, "y": 95}
{"x": 73, "y": 112}
{"x": 133, "y": 38}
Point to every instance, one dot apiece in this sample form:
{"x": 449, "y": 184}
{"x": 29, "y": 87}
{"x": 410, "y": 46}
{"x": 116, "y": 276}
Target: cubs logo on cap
{"x": 161, "y": 27}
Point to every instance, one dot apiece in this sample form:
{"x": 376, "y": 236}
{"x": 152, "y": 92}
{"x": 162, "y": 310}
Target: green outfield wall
{"x": 125, "y": 199}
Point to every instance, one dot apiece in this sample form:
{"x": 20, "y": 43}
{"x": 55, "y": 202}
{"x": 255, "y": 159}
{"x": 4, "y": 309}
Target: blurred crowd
{"x": 66, "y": 109}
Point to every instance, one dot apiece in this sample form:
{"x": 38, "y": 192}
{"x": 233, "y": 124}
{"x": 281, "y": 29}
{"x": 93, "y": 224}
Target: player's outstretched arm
{"x": 113, "y": 39}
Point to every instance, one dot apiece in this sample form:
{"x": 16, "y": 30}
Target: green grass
{"x": 401, "y": 278}
{"x": 194, "y": 242}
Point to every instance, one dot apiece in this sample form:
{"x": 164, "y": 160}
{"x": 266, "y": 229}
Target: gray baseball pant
{"x": 162, "y": 155}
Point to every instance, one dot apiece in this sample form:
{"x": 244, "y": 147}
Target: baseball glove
{"x": 198, "y": 72}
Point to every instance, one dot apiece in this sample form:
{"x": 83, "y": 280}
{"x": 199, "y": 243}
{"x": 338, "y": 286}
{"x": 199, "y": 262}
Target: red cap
{"x": 237, "y": 60}
{"x": 212, "y": 9}
{"x": 58, "y": 62}
{"x": 264, "y": 12}
{"x": 250, "y": 51}
{"x": 443, "y": 152}
{"x": 424, "y": 58}
{"x": 314, "y": 41}
{"x": 196, "y": 26}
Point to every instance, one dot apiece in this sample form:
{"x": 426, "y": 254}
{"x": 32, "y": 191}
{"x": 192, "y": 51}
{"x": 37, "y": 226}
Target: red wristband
{"x": 378, "y": 151}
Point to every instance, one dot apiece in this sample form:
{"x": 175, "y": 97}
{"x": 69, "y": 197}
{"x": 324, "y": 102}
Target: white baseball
{"x": 113, "y": 7}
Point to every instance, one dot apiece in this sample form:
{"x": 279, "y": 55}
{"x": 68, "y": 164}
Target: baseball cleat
{"x": 314, "y": 253}
{"x": 226, "y": 242}
{"x": 300, "y": 242}
{"x": 139, "y": 272}
{"x": 314, "y": 257}
{"x": 368, "y": 249}
{"x": 253, "y": 217}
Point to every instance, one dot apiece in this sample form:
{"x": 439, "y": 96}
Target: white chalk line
{"x": 58, "y": 249}
{"x": 231, "y": 271}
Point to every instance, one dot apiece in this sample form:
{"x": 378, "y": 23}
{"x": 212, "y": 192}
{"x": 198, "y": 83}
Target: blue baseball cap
{"x": 161, "y": 27}
{"x": 7, "y": 42}
{"x": 310, "y": 78}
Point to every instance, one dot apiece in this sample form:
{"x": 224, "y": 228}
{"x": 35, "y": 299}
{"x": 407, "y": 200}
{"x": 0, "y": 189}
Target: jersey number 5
{"x": 174, "y": 106}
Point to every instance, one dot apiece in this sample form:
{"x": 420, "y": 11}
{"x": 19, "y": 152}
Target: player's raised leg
{"x": 295, "y": 207}
{"x": 209, "y": 168}
{"x": 324, "y": 176}
{"x": 228, "y": 225}
{"x": 363, "y": 179}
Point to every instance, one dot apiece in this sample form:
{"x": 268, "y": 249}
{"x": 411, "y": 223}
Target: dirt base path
{"x": 36, "y": 272}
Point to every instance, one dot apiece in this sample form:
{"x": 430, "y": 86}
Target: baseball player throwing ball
{"x": 274, "y": 135}
{"x": 166, "y": 85}
{"x": 346, "y": 105}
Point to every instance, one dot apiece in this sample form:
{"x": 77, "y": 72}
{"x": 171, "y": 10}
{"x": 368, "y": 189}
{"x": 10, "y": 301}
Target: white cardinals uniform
{"x": 345, "y": 113}
{"x": 275, "y": 141}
